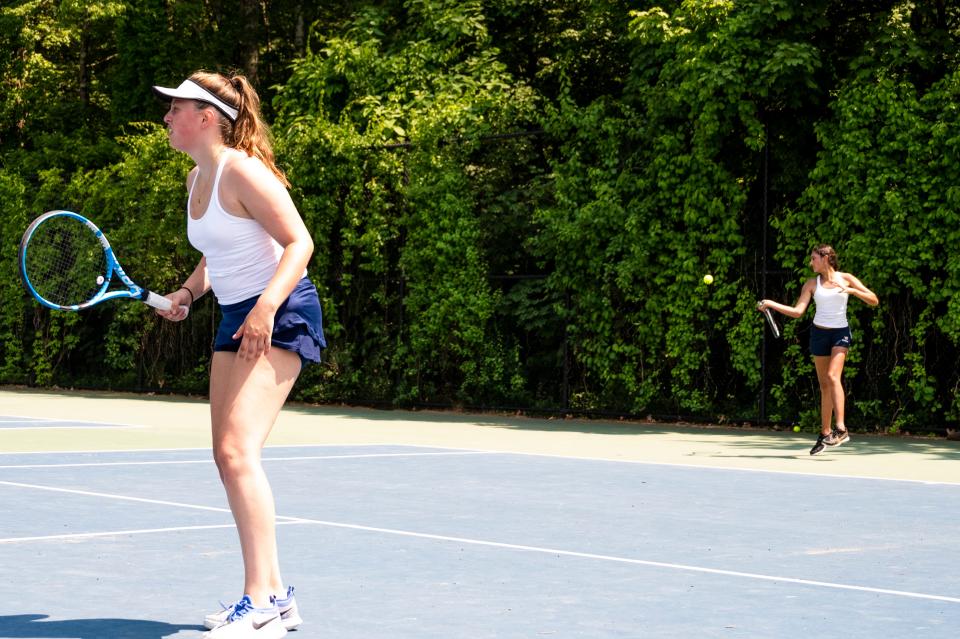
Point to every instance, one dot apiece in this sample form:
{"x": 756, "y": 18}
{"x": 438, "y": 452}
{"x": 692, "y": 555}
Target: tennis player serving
{"x": 255, "y": 249}
{"x": 830, "y": 336}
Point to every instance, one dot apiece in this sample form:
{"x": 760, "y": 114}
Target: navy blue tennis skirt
{"x": 297, "y": 326}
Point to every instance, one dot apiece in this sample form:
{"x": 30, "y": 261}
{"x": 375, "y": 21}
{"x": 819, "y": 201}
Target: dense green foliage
{"x": 514, "y": 201}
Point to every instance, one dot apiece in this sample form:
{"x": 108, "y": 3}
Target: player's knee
{"x": 232, "y": 459}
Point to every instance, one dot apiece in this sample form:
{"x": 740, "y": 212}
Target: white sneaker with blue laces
{"x": 246, "y": 621}
{"x": 289, "y": 613}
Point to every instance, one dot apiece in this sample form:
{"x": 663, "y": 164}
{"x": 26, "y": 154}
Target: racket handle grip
{"x": 773, "y": 324}
{"x": 158, "y": 301}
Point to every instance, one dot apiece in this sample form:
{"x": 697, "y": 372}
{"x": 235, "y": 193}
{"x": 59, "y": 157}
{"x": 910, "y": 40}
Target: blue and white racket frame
{"x": 133, "y": 291}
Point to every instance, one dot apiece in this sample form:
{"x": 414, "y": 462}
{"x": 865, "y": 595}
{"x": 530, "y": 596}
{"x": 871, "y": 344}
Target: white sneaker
{"x": 289, "y": 613}
{"x": 244, "y": 621}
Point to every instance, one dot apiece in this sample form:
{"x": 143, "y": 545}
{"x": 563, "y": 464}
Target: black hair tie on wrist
{"x": 189, "y": 292}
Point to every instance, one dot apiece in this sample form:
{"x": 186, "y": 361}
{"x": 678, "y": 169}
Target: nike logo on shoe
{"x": 259, "y": 625}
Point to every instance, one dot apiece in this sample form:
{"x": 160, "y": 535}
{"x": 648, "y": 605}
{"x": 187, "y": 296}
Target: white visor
{"x": 190, "y": 90}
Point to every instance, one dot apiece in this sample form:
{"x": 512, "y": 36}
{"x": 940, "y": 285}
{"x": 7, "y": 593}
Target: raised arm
{"x": 855, "y": 287}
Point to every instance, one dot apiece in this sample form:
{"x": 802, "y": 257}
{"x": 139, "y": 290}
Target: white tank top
{"x": 242, "y": 257}
{"x": 831, "y": 307}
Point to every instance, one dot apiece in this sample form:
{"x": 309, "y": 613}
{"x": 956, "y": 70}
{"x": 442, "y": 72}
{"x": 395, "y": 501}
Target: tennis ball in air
{"x": 796, "y": 429}
{"x": 708, "y": 279}
{"x": 99, "y": 280}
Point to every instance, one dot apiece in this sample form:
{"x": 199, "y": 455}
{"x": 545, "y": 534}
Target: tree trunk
{"x": 250, "y": 15}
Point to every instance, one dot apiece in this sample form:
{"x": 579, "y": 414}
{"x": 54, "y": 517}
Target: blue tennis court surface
{"x": 399, "y": 542}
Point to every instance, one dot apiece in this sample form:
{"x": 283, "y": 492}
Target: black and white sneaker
{"x": 837, "y": 437}
{"x": 820, "y": 445}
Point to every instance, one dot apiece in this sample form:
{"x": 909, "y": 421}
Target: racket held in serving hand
{"x": 67, "y": 264}
{"x": 770, "y": 321}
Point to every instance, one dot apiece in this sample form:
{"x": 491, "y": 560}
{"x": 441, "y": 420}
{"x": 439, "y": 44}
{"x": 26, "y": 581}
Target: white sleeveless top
{"x": 242, "y": 257}
{"x": 831, "y": 307}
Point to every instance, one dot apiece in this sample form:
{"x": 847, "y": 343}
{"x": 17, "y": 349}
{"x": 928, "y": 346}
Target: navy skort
{"x": 824, "y": 340}
{"x": 297, "y": 326}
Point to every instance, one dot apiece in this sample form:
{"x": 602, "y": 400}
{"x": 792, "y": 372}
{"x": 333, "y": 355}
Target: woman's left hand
{"x": 255, "y": 333}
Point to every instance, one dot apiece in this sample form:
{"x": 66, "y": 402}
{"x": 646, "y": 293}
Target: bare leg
{"x": 832, "y": 400}
{"x": 838, "y": 357}
{"x": 826, "y": 393}
{"x": 245, "y": 398}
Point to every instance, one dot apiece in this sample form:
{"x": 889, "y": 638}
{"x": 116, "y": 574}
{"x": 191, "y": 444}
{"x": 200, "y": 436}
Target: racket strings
{"x": 65, "y": 261}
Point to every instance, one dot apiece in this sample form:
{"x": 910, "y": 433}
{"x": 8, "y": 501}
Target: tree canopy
{"x": 514, "y": 202}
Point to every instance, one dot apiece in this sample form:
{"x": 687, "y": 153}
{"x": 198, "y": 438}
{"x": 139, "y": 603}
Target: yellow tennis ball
{"x": 796, "y": 429}
{"x": 708, "y": 279}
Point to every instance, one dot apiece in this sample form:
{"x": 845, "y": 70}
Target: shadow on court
{"x": 36, "y": 626}
{"x": 738, "y": 440}
{"x": 861, "y": 445}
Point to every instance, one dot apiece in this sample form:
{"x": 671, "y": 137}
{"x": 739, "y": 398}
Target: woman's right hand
{"x": 181, "y": 306}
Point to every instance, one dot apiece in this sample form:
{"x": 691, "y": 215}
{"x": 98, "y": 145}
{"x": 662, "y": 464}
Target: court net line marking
{"x": 281, "y": 519}
{"x": 208, "y": 460}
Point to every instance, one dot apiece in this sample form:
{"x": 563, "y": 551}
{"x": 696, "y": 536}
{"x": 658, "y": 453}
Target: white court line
{"x": 142, "y": 500}
{"x": 109, "y": 533}
{"x": 210, "y": 460}
{"x": 24, "y": 418}
{"x": 38, "y": 422}
{"x": 125, "y": 533}
{"x": 190, "y": 449}
{"x": 643, "y": 462}
{"x": 535, "y": 549}
{"x": 107, "y": 464}
{"x": 4, "y": 429}
{"x": 628, "y": 560}
{"x": 639, "y": 462}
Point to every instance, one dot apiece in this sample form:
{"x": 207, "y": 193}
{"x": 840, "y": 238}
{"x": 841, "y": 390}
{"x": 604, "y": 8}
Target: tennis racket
{"x": 67, "y": 264}
{"x": 772, "y": 322}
